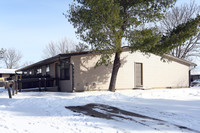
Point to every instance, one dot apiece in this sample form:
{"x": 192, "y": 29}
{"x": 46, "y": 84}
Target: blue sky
{"x": 29, "y": 25}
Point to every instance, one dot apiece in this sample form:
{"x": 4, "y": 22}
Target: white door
{"x": 138, "y": 75}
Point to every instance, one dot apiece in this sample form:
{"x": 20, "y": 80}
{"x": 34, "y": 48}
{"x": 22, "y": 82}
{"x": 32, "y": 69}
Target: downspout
{"x": 72, "y": 65}
{"x": 72, "y": 76}
{"x": 17, "y": 81}
{"x": 58, "y": 80}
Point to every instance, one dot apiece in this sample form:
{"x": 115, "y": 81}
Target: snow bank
{"x": 31, "y": 112}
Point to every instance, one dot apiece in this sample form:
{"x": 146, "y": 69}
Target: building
{"x": 5, "y": 74}
{"x": 77, "y": 72}
{"x": 195, "y": 75}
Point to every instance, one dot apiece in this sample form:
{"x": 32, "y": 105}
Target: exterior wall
{"x": 3, "y": 78}
{"x": 43, "y": 70}
{"x": 28, "y": 72}
{"x": 156, "y": 73}
{"x": 5, "y": 75}
{"x": 86, "y": 76}
{"x": 52, "y": 75}
{"x": 52, "y": 70}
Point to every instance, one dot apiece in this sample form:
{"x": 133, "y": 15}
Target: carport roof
{"x": 7, "y": 71}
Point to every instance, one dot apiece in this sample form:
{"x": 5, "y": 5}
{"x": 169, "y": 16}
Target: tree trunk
{"x": 116, "y": 67}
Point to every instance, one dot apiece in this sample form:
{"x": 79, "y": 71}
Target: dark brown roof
{"x": 182, "y": 61}
{"x": 68, "y": 55}
{"x": 52, "y": 59}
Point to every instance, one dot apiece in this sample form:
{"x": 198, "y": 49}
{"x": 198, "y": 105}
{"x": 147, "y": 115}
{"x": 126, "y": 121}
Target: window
{"x": 47, "y": 69}
{"x": 65, "y": 70}
{"x": 25, "y": 72}
{"x": 30, "y": 72}
{"x": 39, "y": 71}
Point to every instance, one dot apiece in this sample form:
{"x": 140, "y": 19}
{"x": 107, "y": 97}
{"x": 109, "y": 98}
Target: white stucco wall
{"x": 86, "y": 76}
{"x": 156, "y": 73}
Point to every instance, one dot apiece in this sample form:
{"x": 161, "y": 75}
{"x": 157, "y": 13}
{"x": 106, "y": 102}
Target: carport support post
{"x": 19, "y": 85}
{"x": 13, "y": 88}
{"x": 16, "y": 87}
{"x": 8, "y": 87}
{"x": 9, "y": 93}
{"x": 39, "y": 84}
{"x": 45, "y": 84}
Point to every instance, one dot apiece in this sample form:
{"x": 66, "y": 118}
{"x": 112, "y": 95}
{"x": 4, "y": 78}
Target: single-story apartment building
{"x": 6, "y": 73}
{"x": 78, "y": 72}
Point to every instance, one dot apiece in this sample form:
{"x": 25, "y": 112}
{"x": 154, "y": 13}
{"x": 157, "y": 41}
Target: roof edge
{"x": 124, "y": 49}
{"x": 179, "y": 60}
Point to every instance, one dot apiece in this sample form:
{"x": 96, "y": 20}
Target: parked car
{"x": 195, "y": 83}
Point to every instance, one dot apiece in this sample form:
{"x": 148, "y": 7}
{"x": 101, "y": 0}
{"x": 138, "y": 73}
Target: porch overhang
{"x": 51, "y": 60}
{"x": 44, "y": 62}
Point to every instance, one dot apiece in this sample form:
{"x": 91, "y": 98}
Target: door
{"x": 138, "y": 74}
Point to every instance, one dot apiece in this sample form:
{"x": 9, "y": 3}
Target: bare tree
{"x": 80, "y": 47}
{"x": 50, "y": 50}
{"x": 53, "y": 49}
{"x": 64, "y": 46}
{"x": 11, "y": 58}
{"x": 26, "y": 63}
{"x": 180, "y": 15}
{"x": 2, "y": 51}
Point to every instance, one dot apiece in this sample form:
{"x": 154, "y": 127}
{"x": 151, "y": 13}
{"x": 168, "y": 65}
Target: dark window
{"x": 65, "y": 70}
{"x": 0, "y": 75}
{"x": 35, "y": 71}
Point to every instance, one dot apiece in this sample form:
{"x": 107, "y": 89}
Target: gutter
{"x": 72, "y": 76}
{"x": 182, "y": 61}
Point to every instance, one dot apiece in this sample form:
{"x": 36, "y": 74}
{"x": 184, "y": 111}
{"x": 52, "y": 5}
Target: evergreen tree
{"x": 105, "y": 24}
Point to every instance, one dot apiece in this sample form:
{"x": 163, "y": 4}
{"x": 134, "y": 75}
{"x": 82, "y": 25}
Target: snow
{"x": 38, "y": 112}
{"x": 195, "y": 73}
{"x": 7, "y": 71}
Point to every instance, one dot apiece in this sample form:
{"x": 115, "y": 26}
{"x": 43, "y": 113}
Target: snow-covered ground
{"x": 45, "y": 112}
